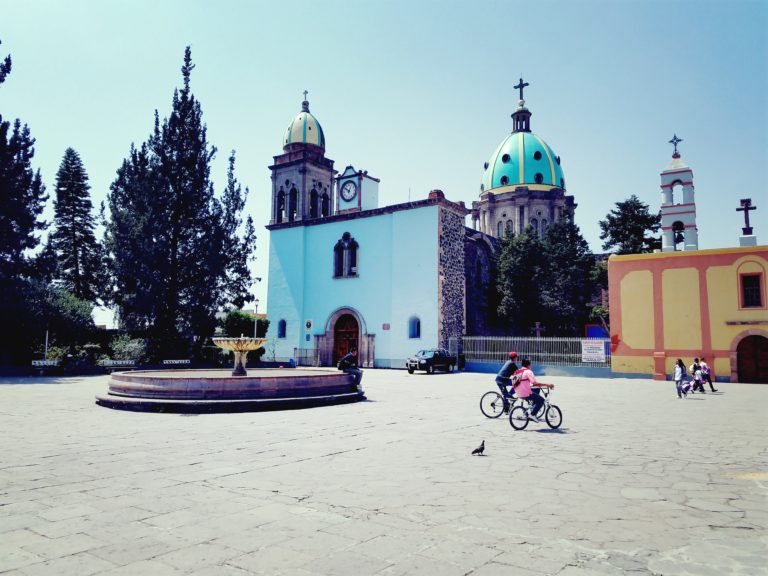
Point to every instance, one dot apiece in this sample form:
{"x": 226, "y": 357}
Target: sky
{"x": 417, "y": 92}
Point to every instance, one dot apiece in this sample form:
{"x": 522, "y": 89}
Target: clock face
{"x": 348, "y": 190}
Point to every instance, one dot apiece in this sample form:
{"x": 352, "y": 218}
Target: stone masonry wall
{"x": 450, "y": 273}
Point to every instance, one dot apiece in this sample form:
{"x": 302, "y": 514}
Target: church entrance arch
{"x": 752, "y": 359}
{"x": 345, "y": 328}
{"x": 346, "y": 335}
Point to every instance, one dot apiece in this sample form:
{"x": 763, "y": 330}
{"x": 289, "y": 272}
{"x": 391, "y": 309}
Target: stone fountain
{"x": 185, "y": 390}
{"x": 240, "y": 347}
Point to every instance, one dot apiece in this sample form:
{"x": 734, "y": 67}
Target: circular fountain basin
{"x": 219, "y": 391}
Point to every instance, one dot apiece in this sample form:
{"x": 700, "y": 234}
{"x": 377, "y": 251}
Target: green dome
{"x": 304, "y": 129}
{"x": 523, "y": 159}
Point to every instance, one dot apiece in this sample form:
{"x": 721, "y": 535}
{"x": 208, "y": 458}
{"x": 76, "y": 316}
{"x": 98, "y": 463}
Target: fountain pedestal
{"x": 240, "y": 347}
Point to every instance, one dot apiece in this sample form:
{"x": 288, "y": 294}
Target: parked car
{"x": 431, "y": 360}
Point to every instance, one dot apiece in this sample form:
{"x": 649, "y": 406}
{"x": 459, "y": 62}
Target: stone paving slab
{"x": 636, "y": 482}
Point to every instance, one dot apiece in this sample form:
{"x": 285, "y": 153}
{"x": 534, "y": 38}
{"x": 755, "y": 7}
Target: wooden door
{"x": 752, "y": 359}
{"x": 346, "y": 333}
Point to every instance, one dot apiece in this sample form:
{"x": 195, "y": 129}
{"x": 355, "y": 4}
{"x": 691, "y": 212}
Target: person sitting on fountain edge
{"x": 348, "y": 364}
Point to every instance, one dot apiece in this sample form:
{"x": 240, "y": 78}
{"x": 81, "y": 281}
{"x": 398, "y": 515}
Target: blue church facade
{"x": 389, "y": 281}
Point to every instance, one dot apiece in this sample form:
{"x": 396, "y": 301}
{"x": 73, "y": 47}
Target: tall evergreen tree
{"x": 545, "y": 279}
{"x": 22, "y": 198}
{"x": 568, "y": 279}
{"x": 175, "y": 254}
{"x": 519, "y": 273}
{"x": 628, "y": 227}
{"x": 79, "y": 257}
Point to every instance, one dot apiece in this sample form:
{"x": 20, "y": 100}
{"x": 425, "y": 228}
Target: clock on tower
{"x": 356, "y": 191}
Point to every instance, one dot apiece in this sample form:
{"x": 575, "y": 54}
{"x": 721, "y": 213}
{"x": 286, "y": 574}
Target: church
{"x": 390, "y": 280}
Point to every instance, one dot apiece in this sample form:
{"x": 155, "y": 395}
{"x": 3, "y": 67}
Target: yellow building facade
{"x": 709, "y": 303}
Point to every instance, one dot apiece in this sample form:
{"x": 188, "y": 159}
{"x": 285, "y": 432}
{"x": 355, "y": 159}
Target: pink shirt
{"x": 527, "y": 379}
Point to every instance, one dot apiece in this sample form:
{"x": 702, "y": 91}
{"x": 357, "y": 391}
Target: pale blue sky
{"x": 417, "y": 93}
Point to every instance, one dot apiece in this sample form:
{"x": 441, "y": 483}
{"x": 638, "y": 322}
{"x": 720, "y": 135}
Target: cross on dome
{"x": 520, "y": 86}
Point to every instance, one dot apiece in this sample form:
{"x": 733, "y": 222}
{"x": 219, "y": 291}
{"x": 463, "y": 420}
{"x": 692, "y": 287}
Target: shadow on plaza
{"x": 40, "y": 380}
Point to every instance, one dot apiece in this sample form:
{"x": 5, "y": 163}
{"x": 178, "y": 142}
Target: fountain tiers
{"x": 219, "y": 391}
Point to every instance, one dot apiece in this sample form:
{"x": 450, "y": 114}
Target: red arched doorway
{"x": 346, "y": 333}
{"x": 752, "y": 359}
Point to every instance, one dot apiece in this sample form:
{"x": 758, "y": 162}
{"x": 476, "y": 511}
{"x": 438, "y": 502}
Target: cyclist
{"x": 504, "y": 378}
{"x": 524, "y": 388}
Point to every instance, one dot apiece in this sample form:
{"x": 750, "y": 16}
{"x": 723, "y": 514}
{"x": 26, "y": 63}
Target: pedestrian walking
{"x": 679, "y": 377}
{"x": 695, "y": 370}
{"x": 706, "y": 374}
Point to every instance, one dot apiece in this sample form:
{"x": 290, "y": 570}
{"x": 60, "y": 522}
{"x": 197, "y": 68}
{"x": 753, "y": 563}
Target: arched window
{"x": 500, "y": 230}
{"x": 313, "y": 207}
{"x": 678, "y": 234}
{"x": 508, "y": 231}
{"x": 543, "y": 226}
{"x": 345, "y": 257}
{"x": 280, "y": 206}
{"x": 293, "y": 204}
{"x": 325, "y": 206}
{"x": 338, "y": 259}
{"x": 281, "y": 329}
{"x": 414, "y": 327}
{"x": 677, "y": 192}
{"x": 535, "y": 225}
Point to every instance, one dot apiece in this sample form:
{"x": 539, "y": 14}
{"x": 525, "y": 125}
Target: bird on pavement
{"x": 479, "y": 450}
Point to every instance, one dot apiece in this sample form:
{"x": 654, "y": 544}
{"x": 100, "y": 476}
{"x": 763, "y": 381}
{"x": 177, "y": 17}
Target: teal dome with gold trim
{"x": 523, "y": 159}
{"x": 304, "y": 129}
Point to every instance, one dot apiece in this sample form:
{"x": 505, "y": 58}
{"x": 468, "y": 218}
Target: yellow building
{"x": 709, "y": 303}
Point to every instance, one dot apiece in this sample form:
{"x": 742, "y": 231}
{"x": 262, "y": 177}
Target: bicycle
{"x": 519, "y": 418}
{"x": 492, "y": 404}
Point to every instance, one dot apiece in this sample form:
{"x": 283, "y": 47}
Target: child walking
{"x": 679, "y": 377}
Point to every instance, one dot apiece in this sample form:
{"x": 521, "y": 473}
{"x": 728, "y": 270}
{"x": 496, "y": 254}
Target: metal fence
{"x": 306, "y": 356}
{"x": 593, "y": 352}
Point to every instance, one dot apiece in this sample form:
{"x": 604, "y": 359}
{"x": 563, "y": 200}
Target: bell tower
{"x": 302, "y": 177}
{"x": 678, "y": 207}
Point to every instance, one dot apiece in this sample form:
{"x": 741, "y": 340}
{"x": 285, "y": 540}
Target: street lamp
{"x": 255, "y": 317}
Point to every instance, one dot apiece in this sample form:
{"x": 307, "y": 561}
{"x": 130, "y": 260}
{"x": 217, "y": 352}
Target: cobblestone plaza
{"x": 636, "y": 482}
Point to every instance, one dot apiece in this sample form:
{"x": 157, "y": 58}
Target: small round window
{"x": 557, "y": 159}
{"x": 505, "y": 158}
{"x": 485, "y": 166}
{"x": 482, "y": 188}
{"x": 537, "y": 155}
{"x": 539, "y": 178}
{"x": 504, "y": 180}
{"x": 562, "y": 183}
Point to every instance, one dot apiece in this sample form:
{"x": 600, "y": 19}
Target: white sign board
{"x": 592, "y": 351}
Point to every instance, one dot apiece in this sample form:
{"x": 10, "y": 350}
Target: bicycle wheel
{"x": 554, "y": 416}
{"x": 518, "y": 418}
{"x": 492, "y": 404}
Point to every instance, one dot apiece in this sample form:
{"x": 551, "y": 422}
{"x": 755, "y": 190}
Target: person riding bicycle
{"x": 524, "y": 388}
{"x": 504, "y": 378}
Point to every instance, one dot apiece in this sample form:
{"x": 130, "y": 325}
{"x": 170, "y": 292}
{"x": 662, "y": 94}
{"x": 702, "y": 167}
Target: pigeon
{"x": 479, "y": 450}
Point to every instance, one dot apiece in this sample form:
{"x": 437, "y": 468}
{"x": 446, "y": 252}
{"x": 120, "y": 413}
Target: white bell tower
{"x": 678, "y": 207}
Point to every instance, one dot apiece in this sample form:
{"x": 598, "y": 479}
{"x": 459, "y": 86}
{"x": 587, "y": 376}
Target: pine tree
{"x": 79, "y": 257}
{"x": 175, "y": 255}
{"x": 568, "y": 282}
{"x": 22, "y": 198}
{"x": 545, "y": 279}
{"x": 627, "y": 228}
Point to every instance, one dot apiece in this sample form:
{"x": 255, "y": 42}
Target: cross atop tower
{"x": 520, "y": 87}
{"x": 675, "y": 141}
{"x": 746, "y": 207}
{"x": 305, "y": 94}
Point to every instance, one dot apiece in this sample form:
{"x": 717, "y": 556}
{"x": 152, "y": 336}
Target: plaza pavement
{"x": 636, "y": 482}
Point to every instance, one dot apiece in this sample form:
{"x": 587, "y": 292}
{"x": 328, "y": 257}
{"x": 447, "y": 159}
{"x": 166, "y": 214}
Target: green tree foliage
{"x": 175, "y": 253}
{"x": 548, "y": 280}
{"x": 79, "y": 257}
{"x": 236, "y": 323}
{"x": 22, "y": 198}
{"x": 629, "y": 227}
